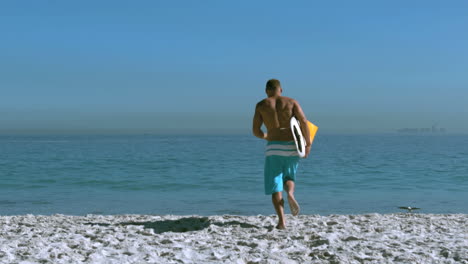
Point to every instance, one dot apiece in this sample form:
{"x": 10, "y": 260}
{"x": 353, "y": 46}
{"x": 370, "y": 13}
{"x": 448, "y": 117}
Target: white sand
{"x": 373, "y": 238}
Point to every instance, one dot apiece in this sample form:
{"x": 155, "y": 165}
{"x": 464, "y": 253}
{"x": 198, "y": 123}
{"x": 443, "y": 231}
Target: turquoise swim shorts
{"x": 281, "y": 163}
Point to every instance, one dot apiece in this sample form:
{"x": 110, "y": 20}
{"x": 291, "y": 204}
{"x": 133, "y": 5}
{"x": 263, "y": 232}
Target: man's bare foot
{"x": 293, "y": 205}
{"x": 280, "y": 226}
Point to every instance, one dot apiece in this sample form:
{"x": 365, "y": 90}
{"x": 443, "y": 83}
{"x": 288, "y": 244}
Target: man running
{"x": 281, "y": 159}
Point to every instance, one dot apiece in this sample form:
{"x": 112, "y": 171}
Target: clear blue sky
{"x": 355, "y": 66}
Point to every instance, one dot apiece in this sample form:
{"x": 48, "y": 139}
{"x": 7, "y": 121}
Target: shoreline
{"x": 369, "y": 238}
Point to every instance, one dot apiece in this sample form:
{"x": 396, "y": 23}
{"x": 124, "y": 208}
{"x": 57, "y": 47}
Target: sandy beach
{"x": 371, "y": 238}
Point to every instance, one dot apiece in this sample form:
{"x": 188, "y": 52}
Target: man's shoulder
{"x": 289, "y": 99}
{"x": 261, "y": 103}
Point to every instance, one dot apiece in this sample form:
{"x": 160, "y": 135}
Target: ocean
{"x": 223, "y": 174}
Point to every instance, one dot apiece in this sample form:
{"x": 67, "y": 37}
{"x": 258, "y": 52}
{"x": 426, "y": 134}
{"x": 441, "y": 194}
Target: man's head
{"x": 273, "y": 87}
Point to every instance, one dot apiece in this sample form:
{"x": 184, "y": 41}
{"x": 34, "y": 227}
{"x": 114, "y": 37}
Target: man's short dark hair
{"x": 272, "y": 84}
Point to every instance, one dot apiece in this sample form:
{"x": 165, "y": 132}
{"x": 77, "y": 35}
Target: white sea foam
{"x": 372, "y": 238}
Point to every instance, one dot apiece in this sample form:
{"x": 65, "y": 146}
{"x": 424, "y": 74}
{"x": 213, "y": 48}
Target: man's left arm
{"x": 297, "y": 110}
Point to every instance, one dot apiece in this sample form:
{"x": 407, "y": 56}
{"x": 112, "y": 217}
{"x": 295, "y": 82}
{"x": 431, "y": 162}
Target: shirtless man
{"x": 281, "y": 159}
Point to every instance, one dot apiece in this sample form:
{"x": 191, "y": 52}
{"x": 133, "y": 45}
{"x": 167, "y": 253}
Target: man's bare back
{"x": 276, "y": 112}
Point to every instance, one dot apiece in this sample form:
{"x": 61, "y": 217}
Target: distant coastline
{"x": 434, "y": 129}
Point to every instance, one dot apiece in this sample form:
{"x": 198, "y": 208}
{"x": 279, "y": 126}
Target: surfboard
{"x": 299, "y": 138}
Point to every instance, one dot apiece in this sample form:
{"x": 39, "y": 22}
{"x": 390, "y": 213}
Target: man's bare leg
{"x": 278, "y": 203}
{"x": 289, "y": 187}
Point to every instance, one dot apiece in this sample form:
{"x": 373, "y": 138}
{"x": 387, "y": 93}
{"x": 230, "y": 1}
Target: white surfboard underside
{"x": 298, "y": 137}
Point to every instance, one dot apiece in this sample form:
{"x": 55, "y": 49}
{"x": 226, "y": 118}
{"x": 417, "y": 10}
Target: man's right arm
{"x": 257, "y": 124}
